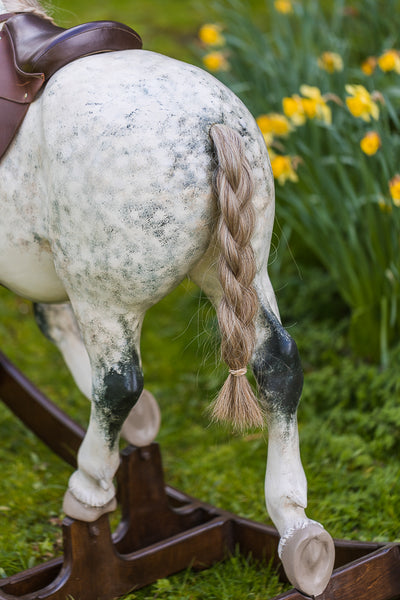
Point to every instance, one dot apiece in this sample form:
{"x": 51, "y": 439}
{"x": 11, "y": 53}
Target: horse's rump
{"x": 130, "y": 165}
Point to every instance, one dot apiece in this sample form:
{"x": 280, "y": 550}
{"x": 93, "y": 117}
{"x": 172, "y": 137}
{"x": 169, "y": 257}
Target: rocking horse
{"x": 130, "y": 172}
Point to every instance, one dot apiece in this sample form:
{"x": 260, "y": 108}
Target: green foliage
{"x": 339, "y": 201}
{"x": 349, "y": 417}
{"x": 234, "y": 579}
{"x": 169, "y": 26}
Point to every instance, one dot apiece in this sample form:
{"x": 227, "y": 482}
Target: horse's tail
{"x": 233, "y": 188}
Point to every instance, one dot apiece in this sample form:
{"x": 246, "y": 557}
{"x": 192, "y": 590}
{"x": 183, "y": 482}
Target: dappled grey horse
{"x": 130, "y": 172}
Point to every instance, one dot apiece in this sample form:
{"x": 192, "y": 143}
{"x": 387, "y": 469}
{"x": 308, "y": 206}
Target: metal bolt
{"x": 144, "y": 454}
{"x": 94, "y": 530}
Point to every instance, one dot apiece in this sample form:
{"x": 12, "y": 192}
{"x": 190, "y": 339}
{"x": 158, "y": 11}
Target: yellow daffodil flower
{"x": 273, "y": 124}
{"x": 369, "y": 65}
{"x": 284, "y": 6}
{"x": 315, "y": 105}
{"x": 294, "y": 110}
{"x": 361, "y": 104}
{"x": 389, "y": 61}
{"x": 210, "y": 34}
{"x": 282, "y": 168}
{"x": 370, "y": 143}
{"x": 215, "y": 61}
{"x": 394, "y": 188}
{"x": 309, "y": 107}
{"x": 330, "y": 62}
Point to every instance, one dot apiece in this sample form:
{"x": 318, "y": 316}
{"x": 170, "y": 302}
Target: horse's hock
{"x": 129, "y": 100}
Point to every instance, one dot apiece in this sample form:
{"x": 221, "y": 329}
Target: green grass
{"x": 348, "y": 420}
{"x": 167, "y": 27}
{"x": 353, "y": 484}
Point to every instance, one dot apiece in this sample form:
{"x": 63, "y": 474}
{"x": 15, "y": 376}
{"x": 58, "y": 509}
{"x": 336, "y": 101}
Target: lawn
{"x": 349, "y": 417}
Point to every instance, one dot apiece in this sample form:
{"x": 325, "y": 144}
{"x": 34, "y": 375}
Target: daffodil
{"x": 283, "y": 169}
{"x": 394, "y": 188}
{"x": 210, "y": 34}
{"x": 284, "y": 6}
{"x": 369, "y": 65}
{"x": 389, "y": 61}
{"x": 215, "y": 61}
{"x": 273, "y": 124}
{"x": 294, "y": 109}
{"x": 361, "y": 104}
{"x": 330, "y": 62}
{"x": 370, "y": 143}
{"x": 315, "y": 105}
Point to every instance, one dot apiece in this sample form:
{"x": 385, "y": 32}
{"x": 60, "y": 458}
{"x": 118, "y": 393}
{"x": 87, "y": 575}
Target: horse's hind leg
{"x": 58, "y": 323}
{"x": 112, "y": 341}
{"x": 306, "y": 549}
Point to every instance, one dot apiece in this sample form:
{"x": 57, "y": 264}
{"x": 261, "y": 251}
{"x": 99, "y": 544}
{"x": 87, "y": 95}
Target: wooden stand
{"x": 162, "y": 530}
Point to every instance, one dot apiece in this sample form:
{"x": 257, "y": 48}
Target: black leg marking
{"x": 121, "y": 387}
{"x": 277, "y": 368}
{"x": 40, "y": 315}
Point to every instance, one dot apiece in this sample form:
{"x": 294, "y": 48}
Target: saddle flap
{"x": 32, "y": 49}
{"x": 11, "y": 116}
{"x": 15, "y": 85}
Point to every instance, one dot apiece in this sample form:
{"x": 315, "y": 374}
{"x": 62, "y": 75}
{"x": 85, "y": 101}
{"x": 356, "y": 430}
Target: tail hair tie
{"x": 238, "y": 372}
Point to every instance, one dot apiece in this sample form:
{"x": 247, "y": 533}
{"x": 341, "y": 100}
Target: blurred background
{"x": 322, "y": 79}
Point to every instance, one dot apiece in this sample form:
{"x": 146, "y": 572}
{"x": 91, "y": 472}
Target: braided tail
{"x": 233, "y": 188}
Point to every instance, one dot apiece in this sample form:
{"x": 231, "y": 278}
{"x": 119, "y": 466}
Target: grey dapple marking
{"x": 107, "y": 207}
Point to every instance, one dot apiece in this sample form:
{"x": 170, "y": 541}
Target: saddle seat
{"x": 32, "y": 49}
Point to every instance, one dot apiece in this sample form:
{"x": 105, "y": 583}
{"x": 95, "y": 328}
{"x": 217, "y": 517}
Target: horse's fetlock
{"x": 87, "y": 490}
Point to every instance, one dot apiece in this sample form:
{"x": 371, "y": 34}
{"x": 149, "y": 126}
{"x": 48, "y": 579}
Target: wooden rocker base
{"x": 162, "y": 530}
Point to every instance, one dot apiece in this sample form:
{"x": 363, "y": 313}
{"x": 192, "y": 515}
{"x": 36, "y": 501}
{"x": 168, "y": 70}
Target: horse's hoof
{"x": 308, "y": 556}
{"x": 143, "y": 422}
{"x": 83, "y": 512}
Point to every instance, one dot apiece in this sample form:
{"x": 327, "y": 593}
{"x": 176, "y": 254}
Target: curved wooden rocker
{"x": 162, "y": 530}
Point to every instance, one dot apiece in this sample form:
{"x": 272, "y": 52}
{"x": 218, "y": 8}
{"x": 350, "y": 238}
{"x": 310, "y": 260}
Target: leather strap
{"x": 6, "y": 16}
{"x": 16, "y": 85}
{"x": 18, "y": 90}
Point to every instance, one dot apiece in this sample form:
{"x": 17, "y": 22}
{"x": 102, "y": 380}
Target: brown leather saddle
{"x": 32, "y": 49}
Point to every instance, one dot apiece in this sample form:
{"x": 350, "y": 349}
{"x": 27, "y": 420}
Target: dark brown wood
{"x": 162, "y": 530}
{"x": 156, "y": 541}
{"x": 39, "y": 414}
{"x": 147, "y": 515}
{"x": 375, "y": 576}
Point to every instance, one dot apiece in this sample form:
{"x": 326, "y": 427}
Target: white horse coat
{"x": 107, "y": 204}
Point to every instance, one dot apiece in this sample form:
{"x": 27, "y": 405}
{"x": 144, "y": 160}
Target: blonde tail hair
{"x": 233, "y": 188}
